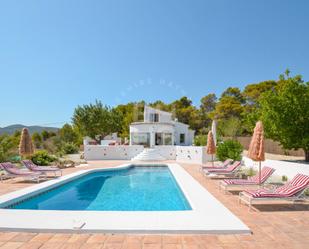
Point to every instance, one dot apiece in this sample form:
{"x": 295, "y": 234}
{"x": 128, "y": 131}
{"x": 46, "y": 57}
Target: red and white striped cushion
{"x": 238, "y": 182}
{"x": 265, "y": 174}
{"x": 299, "y": 183}
{"x": 230, "y": 168}
{"x": 299, "y": 179}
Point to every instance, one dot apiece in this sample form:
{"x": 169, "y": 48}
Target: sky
{"x": 55, "y": 55}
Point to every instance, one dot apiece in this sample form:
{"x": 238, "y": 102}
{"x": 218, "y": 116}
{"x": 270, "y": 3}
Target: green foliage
{"x": 131, "y": 112}
{"x": 96, "y": 119}
{"x": 227, "y": 107}
{"x": 47, "y": 134}
{"x": 208, "y": 103}
{"x": 284, "y": 178}
{"x": 229, "y": 149}
{"x": 37, "y": 140}
{"x": 200, "y": 140}
{"x": 250, "y": 171}
{"x": 41, "y": 157}
{"x": 253, "y": 92}
{"x": 230, "y": 127}
{"x": 285, "y": 113}
{"x": 8, "y": 147}
{"x": 233, "y": 92}
{"x": 68, "y": 134}
{"x": 69, "y": 148}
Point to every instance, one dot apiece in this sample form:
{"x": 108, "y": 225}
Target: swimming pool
{"x": 136, "y": 188}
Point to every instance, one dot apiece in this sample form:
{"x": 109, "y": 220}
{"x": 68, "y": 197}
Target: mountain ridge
{"x": 32, "y": 128}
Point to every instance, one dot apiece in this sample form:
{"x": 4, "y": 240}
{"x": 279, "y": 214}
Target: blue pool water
{"x": 132, "y": 189}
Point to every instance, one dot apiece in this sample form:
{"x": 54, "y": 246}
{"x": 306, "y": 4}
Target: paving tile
{"x": 171, "y": 239}
{"x": 6, "y": 236}
{"x": 152, "y": 246}
{"x": 52, "y": 245}
{"x": 11, "y": 245}
{"x": 228, "y": 239}
{"x": 116, "y": 238}
{"x": 112, "y": 245}
{"x": 31, "y": 245}
{"x": 74, "y": 245}
{"x": 60, "y": 237}
{"x": 189, "y": 239}
{"x": 132, "y": 245}
{"x": 78, "y": 238}
{"x": 134, "y": 239}
{"x": 191, "y": 246}
{"x": 96, "y": 238}
{"x": 172, "y": 246}
{"x": 23, "y": 237}
{"x": 152, "y": 239}
{"x": 92, "y": 246}
{"x": 42, "y": 237}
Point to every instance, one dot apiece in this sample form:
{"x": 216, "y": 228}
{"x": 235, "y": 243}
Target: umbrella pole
{"x": 212, "y": 160}
{"x": 260, "y": 173}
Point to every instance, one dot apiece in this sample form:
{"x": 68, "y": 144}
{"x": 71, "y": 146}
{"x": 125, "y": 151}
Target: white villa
{"x": 158, "y": 128}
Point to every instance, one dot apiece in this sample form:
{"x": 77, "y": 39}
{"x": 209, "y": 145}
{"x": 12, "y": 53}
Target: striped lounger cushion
{"x": 265, "y": 174}
{"x": 299, "y": 183}
{"x": 228, "y": 169}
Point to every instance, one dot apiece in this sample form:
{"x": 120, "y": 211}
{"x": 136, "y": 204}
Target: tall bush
{"x": 229, "y": 149}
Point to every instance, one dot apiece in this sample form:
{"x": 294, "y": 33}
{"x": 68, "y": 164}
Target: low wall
{"x": 192, "y": 154}
{"x": 167, "y": 151}
{"x": 186, "y": 154}
{"x": 289, "y": 169}
{"x": 122, "y": 152}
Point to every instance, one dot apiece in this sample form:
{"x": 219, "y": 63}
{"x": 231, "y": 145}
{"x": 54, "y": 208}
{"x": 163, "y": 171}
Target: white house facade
{"x": 158, "y": 128}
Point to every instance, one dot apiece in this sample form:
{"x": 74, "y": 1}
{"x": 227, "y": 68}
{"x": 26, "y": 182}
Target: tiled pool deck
{"x": 280, "y": 227}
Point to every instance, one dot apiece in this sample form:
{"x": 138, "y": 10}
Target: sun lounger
{"x": 244, "y": 184}
{"x": 13, "y": 172}
{"x": 290, "y": 192}
{"x": 42, "y": 169}
{"x": 220, "y": 165}
{"x": 228, "y": 172}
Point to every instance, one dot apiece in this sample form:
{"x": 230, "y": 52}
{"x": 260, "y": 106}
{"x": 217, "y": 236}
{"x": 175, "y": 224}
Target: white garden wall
{"x": 286, "y": 168}
{"x": 192, "y": 154}
{"x": 167, "y": 151}
{"x": 122, "y": 152}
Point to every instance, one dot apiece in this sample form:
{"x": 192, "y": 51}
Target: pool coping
{"x": 203, "y": 218}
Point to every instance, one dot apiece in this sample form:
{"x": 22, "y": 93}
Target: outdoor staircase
{"x": 149, "y": 154}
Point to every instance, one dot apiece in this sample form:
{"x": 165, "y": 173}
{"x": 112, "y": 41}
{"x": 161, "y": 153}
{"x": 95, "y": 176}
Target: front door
{"x": 159, "y": 139}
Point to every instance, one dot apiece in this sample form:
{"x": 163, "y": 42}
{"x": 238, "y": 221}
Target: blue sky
{"x": 57, "y": 54}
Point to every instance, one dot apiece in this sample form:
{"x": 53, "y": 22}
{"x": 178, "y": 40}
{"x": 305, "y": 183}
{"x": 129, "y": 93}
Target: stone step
{"x": 148, "y": 154}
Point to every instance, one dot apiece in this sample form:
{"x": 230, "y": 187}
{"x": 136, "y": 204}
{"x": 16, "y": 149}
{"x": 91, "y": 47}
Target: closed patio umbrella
{"x": 25, "y": 145}
{"x": 256, "y": 148}
{"x": 214, "y": 131}
{"x": 211, "y": 147}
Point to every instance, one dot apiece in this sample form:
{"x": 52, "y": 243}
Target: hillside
{"x": 12, "y": 128}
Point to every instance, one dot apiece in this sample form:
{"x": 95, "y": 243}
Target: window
{"x": 154, "y": 117}
{"x": 140, "y": 139}
{"x": 182, "y": 138}
{"x": 167, "y": 138}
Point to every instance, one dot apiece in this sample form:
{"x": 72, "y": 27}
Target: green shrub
{"x": 284, "y": 178}
{"x": 200, "y": 140}
{"x": 229, "y": 149}
{"x": 41, "y": 157}
{"x": 69, "y": 148}
{"x": 250, "y": 171}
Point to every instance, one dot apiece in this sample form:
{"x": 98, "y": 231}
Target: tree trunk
{"x": 306, "y": 155}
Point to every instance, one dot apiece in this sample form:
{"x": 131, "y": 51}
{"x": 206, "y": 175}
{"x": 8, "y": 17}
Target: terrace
{"x": 284, "y": 226}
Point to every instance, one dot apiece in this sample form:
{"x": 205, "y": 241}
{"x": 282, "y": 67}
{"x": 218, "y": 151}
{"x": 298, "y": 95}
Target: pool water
{"x": 132, "y": 189}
